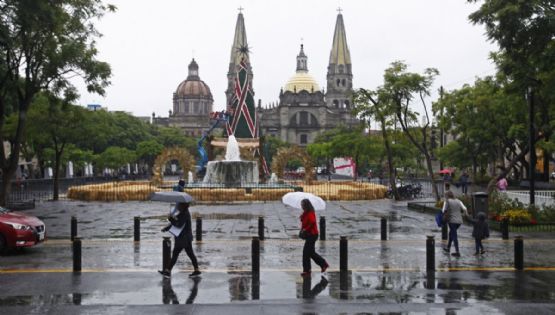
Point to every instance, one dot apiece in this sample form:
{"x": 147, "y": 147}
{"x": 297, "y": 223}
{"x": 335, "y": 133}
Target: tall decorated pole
{"x": 243, "y": 122}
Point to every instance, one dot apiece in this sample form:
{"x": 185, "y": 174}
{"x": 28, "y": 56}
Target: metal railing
{"x": 542, "y": 197}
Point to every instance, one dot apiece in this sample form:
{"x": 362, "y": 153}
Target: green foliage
{"x": 498, "y": 204}
{"x": 115, "y": 157}
{"x": 148, "y": 151}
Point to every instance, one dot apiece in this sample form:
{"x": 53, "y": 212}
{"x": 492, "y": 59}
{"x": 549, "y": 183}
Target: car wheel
{"x": 3, "y": 244}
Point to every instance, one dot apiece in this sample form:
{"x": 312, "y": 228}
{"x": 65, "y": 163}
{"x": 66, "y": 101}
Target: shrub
{"x": 518, "y": 216}
{"x": 547, "y": 214}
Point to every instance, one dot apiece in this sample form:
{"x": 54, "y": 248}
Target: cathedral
{"x": 304, "y": 109}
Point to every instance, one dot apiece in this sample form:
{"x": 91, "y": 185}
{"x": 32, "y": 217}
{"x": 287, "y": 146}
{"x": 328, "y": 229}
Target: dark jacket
{"x": 183, "y": 218}
{"x": 481, "y": 227}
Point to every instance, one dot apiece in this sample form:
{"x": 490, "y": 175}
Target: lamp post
{"x": 531, "y": 144}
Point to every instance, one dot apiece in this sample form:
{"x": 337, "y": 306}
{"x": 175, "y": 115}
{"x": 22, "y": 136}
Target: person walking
{"x": 309, "y": 231}
{"x": 452, "y": 210}
{"x": 480, "y": 231}
{"x": 463, "y": 181}
{"x": 502, "y": 184}
{"x": 180, "y": 218}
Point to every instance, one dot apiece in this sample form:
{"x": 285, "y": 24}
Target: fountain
{"x": 231, "y": 172}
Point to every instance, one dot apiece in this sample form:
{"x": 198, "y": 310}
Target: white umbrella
{"x": 293, "y": 199}
{"x": 171, "y": 196}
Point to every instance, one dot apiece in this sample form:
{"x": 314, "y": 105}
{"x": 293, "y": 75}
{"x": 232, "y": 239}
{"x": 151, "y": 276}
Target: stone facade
{"x": 192, "y": 105}
{"x": 303, "y": 110}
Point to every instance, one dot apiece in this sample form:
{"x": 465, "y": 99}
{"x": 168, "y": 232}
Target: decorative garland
{"x": 285, "y": 154}
{"x": 184, "y": 158}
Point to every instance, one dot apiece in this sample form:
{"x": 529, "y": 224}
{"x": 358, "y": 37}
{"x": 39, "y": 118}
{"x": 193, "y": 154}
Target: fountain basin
{"x": 231, "y": 173}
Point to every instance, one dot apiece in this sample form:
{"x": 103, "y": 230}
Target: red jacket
{"x": 308, "y": 220}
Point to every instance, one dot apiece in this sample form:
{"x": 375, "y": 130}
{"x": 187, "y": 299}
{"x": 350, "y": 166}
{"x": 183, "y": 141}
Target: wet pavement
{"x": 119, "y": 275}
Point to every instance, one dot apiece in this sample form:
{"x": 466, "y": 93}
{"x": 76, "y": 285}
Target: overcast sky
{"x": 149, "y": 45}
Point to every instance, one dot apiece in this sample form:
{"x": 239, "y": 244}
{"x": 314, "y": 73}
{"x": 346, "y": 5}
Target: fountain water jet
{"x": 231, "y": 172}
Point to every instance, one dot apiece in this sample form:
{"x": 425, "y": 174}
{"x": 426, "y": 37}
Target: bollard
{"x": 255, "y": 257}
{"x": 261, "y": 228}
{"x": 77, "y": 254}
{"x": 343, "y": 254}
{"x": 73, "y": 227}
{"x": 505, "y": 229}
{"x": 322, "y": 228}
{"x": 199, "y": 229}
{"x": 166, "y": 253}
{"x": 444, "y": 231}
{"x": 137, "y": 228}
{"x": 519, "y": 253}
{"x": 430, "y": 253}
{"x": 384, "y": 228}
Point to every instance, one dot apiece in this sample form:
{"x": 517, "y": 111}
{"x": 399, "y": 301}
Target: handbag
{"x": 303, "y": 234}
{"x": 445, "y": 215}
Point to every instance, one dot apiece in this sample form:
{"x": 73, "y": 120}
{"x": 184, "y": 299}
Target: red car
{"x": 19, "y": 230}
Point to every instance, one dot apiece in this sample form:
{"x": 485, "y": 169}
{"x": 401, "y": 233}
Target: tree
{"x": 115, "y": 157}
{"x": 42, "y": 45}
{"x": 524, "y": 32}
{"x": 55, "y": 125}
{"x": 400, "y": 90}
{"x": 372, "y": 105}
{"x": 148, "y": 151}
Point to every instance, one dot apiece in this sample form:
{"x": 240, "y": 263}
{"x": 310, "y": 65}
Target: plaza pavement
{"x": 119, "y": 275}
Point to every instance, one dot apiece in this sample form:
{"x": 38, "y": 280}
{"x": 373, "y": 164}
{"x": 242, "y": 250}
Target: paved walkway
{"x": 119, "y": 275}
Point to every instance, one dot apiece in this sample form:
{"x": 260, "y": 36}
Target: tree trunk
{"x": 390, "y": 165}
{"x": 6, "y": 187}
{"x": 431, "y": 174}
{"x": 505, "y": 171}
{"x": 55, "y": 193}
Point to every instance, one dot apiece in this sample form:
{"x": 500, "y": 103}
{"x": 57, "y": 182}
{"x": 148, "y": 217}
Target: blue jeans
{"x": 453, "y": 227}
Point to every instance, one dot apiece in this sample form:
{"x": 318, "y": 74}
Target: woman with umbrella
{"x": 180, "y": 227}
{"x": 309, "y": 231}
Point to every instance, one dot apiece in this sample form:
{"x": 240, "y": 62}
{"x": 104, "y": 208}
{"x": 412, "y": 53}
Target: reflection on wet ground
{"x": 391, "y": 287}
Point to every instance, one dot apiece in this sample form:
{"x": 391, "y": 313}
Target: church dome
{"x": 193, "y": 86}
{"x": 302, "y": 81}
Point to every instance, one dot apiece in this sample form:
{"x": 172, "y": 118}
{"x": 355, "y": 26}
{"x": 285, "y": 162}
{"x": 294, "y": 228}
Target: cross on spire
{"x": 339, "y": 10}
{"x": 240, "y": 9}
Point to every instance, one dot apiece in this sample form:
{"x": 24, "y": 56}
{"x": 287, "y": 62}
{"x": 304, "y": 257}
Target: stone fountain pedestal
{"x": 231, "y": 173}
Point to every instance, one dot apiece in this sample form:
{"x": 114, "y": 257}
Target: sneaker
{"x": 325, "y": 267}
{"x": 195, "y": 273}
{"x": 476, "y": 253}
{"x": 456, "y": 254}
{"x": 305, "y": 274}
{"x": 447, "y": 250}
{"x": 165, "y": 273}
{"x": 483, "y": 252}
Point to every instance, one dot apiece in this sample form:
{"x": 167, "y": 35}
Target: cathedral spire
{"x": 239, "y": 51}
{"x": 340, "y": 51}
{"x": 340, "y": 75}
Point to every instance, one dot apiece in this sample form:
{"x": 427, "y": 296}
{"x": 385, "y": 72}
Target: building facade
{"x": 303, "y": 110}
{"x": 192, "y": 105}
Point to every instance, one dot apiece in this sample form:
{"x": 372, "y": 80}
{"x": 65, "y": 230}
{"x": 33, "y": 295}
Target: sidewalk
{"x": 119, "y": 276}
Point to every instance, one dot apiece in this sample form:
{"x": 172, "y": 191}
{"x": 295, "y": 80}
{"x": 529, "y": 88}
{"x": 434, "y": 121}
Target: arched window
{"x": 347, "y": 104}
{"x": 338, "y": 82}
{"x": 343, "y": 82}
{"x": 336, "y": 103}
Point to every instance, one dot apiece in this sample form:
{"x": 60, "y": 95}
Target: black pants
{"x": 183, "y": 244}
{"x": 309, "y": 252}
{"x": 479, "y": 245}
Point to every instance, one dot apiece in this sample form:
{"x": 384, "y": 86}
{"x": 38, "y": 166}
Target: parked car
{"x": 19, "y": 230}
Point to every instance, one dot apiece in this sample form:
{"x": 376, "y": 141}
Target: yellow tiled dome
{"x": 302, "y": 81}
